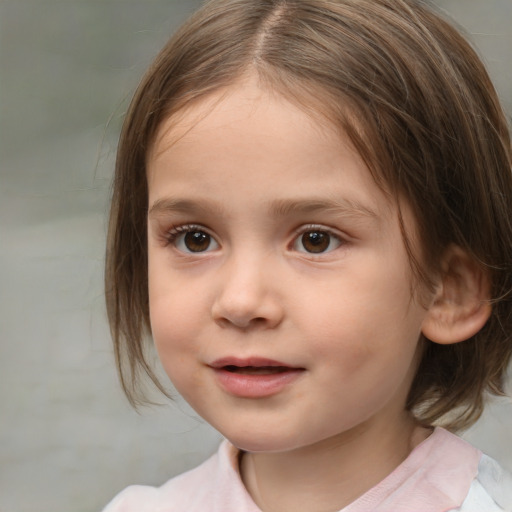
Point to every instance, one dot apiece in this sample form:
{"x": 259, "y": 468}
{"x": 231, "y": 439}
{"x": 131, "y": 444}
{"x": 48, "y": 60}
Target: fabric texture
{"x": 442, "y": 474}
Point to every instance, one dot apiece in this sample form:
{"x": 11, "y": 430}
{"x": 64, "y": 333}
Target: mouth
{"x": 257, "y": 370}
{"x": 252, "y": 366}
{"x": 254, "y": 377}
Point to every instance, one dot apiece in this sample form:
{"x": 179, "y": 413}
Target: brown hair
{"x": 419, "y": 107}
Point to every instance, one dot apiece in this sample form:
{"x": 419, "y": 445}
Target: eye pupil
{"x": 197, "y": 241}
{"x": 316, "y": 241}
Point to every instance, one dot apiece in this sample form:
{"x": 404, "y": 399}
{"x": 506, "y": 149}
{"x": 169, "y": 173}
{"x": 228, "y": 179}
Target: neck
{"x": 329, "y": 475}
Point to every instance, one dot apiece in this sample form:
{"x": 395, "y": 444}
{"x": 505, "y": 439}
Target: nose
{"x": 247, "y": 297}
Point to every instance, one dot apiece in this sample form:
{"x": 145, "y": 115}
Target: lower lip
{"x": 255, "y": 386}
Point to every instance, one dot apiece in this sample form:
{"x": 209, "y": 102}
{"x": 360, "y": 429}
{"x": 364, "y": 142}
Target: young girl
{"x": 312, "y": 217}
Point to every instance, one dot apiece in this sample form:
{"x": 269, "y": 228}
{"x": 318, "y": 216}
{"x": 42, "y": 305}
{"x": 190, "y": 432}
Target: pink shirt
{"x": 441, "y": 474}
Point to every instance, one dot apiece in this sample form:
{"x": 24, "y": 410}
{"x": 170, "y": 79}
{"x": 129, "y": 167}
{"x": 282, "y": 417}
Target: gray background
{"x": 68, "y": 439}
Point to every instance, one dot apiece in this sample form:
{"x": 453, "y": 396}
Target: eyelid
{"x": 334, "y": 233}
{"x": 173, "y": 233}
{"x": 318, "y": 227}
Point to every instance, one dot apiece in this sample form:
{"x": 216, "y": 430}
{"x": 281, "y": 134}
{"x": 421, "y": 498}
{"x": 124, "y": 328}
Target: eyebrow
{"x": 176, "y": 205}
{"x": 278, "y": 208}
{"x": 342, "y": 206}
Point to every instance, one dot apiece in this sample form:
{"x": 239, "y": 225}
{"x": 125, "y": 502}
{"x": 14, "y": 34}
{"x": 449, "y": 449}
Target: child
{"x": 312, "y": 216}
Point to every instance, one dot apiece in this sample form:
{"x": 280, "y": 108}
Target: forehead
{"x": 244, "y": 135}
{"x": 247, "y": 101}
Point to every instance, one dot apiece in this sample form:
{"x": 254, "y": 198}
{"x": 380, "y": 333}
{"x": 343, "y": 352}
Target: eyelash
{"x": 319, "y": 229}
{"x": 172, "y": 235}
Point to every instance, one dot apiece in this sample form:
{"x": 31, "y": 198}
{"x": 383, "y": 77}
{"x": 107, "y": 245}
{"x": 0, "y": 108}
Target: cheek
{"x": 172, "y": 298}
{"x": 175, "y": 314}
{"x": 372, "y": 330}
{"x": 173, "y": 323}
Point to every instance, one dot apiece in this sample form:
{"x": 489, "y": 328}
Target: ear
{"x": 461, "y": 305}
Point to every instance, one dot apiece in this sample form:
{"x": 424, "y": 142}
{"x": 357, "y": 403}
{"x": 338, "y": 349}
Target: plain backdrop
{"x": 68, "y": 439}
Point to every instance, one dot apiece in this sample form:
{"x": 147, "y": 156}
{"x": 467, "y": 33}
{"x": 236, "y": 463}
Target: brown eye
{"x": 316, "y": 241}
{"x": 191, "y": 240}
{"x": 197, "y": 241}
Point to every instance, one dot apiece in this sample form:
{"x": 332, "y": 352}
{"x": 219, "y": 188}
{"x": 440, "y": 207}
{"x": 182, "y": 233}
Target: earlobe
{"x": 461, "y": 306}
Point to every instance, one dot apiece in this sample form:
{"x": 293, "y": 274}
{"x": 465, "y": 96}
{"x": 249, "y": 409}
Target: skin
{"x": 249, "y": 173}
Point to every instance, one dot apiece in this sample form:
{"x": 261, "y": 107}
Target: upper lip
{"x": 255, "y": 362}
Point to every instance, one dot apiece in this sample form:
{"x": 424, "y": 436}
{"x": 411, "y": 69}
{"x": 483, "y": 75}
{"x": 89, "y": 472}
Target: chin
{"x": 261, "y": 442}
{"x": 259, "y": 445}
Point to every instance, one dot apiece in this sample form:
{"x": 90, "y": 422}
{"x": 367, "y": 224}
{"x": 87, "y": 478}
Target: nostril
{"x": 241, "y": 323}
{"x": 246, "y": 311}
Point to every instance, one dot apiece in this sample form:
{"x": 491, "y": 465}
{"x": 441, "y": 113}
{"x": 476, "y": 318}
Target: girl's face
{"x": 279, "y": 285}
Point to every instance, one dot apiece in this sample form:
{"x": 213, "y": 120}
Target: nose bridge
{"x": 247, "y": 291}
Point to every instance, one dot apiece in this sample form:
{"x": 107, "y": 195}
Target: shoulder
{"x": 136, "y": 497}
{"x": 491, "y": 490}
{"x": 215, "y": 486}
{"x": 172, "y": 496}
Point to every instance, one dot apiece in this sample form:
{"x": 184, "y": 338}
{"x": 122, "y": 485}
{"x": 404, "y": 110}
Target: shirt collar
{"x": 435, "y": 477}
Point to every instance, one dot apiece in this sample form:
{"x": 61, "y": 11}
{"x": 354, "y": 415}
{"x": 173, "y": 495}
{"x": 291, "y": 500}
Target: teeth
{"x": 256, "y": 370}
